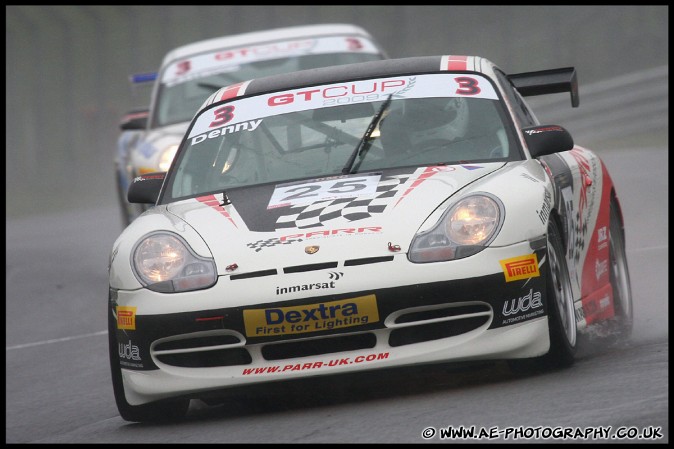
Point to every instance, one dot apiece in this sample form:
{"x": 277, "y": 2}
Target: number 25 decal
{"x": 467, "y": 85}
{"x": 309, "y": 192}
{"x": 335, "y": 189}
{"x": 223, "y": 115}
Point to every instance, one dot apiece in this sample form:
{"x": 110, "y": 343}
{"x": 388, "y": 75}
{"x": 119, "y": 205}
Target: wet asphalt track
{"x": 58, "y": 383}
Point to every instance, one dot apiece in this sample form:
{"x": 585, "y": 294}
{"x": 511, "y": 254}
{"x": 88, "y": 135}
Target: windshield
{"x": 186, "y": 83}
{"x": 338, "y": 129}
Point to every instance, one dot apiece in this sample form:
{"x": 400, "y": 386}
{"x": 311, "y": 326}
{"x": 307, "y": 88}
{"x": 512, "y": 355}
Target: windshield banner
{"x": 247, "y": 111}
{"x": 229, "y": 60}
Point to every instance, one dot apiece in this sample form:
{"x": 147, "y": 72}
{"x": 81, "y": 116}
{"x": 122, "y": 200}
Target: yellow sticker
{"x": 126, "y": 318}
{"x": 521, "y": 267}
{"x": 311, "y": 317}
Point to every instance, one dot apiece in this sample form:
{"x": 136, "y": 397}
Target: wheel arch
{"x": 556, "y": 216}
{"x": 614, "y": 201}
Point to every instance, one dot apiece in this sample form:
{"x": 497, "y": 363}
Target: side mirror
{"x": 144, "y": 189}
{"x": 547, "y": 139}
{"x": 135, "y": 120}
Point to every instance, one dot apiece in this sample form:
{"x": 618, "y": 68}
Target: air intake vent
{"x": 367, "y": 260}
{"x": 202, "y": 350}
{"x": 312, "y": 267}
{"x": 207, "y": 359}
{"x": 307, "y": 348}
{"x": 420, "y": 324}
{"x": 426, "y": 315}
{"x": 197, "y": 342}
{"x": 254, "y": 274}
{"x": 434, "y": 331}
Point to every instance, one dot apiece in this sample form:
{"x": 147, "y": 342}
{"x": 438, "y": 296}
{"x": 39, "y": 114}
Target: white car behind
{"x": 189, "y": 74}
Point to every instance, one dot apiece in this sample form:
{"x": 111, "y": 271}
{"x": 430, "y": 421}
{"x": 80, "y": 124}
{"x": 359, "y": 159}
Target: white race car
{"x": 189, "y": 74}
{"x": 359, "y": 217}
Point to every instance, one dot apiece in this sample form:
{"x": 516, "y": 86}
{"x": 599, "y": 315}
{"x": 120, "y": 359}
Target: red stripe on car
{"x": 235, "y": 90}
{"x": 454, "y": 62}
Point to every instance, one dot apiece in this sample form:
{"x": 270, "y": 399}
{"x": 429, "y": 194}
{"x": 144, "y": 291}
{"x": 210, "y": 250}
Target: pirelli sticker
{"x": 521, "y": 267}
{"x": 311, "y": 317}
{"x": 126, "y": 318}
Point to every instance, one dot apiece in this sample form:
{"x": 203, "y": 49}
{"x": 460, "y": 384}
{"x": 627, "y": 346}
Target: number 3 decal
{"x": 223, "y": 115}
{"x": 467, "y": 86}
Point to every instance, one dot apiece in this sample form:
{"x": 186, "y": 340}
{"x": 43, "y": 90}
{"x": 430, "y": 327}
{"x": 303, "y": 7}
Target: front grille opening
{"x": 434, "y": 331}
{"x": 254, "y": 274}
{"x": 441, "y": 313}
{"x": 207, "y": 359}
{"x": 312, "y": 267}
{"x": 198, "y": 342}
{"x": 369, "y": 260}
{"x": 307, "y": 348}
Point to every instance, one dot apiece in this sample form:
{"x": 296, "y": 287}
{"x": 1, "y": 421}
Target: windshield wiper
{"x": 366, "y": 140}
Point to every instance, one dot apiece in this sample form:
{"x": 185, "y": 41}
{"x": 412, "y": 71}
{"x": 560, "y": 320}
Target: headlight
{"x": 465, "y": 229}
{"x": 164, "y": 263}
{"x": 166, "y": 157}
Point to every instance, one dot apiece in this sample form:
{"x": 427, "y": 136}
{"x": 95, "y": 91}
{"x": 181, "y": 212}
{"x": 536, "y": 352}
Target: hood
{"x": 251, "y": 228}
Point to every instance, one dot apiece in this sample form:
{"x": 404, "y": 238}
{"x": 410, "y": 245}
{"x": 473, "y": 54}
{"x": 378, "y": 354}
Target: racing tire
{"x": 562, "y": 325}
{"x": 619, "y": 277}
{"x": 160, "y": 411}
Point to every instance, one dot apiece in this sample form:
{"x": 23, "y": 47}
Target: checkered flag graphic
{"x": 342, "y": 210}
{"x": 581, "y": 235}
{"x": 268, "y": 243}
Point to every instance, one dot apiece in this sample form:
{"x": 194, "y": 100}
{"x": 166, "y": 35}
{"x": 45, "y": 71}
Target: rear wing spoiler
{"x": 547, "y": 82}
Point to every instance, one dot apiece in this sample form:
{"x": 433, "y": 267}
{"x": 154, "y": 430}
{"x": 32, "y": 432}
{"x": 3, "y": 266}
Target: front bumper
{"x": 329, "y": 321}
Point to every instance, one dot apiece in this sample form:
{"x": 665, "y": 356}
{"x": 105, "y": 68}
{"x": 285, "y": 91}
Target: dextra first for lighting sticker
{"x": 521, "y": 267}
{"x": 311, "y": 317}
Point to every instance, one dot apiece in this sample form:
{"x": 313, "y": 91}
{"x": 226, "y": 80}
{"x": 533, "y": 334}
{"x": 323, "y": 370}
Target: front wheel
{"x": 161, "y": 411}
{"x": 619, "y": 276}
{"x": 562, "y": 326}
{"x": 562, "y": 318}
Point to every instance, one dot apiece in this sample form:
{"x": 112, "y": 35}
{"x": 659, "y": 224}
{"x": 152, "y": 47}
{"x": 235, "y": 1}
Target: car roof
{"x": 361, "y": 70}
{"x": 259, "y": 37}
